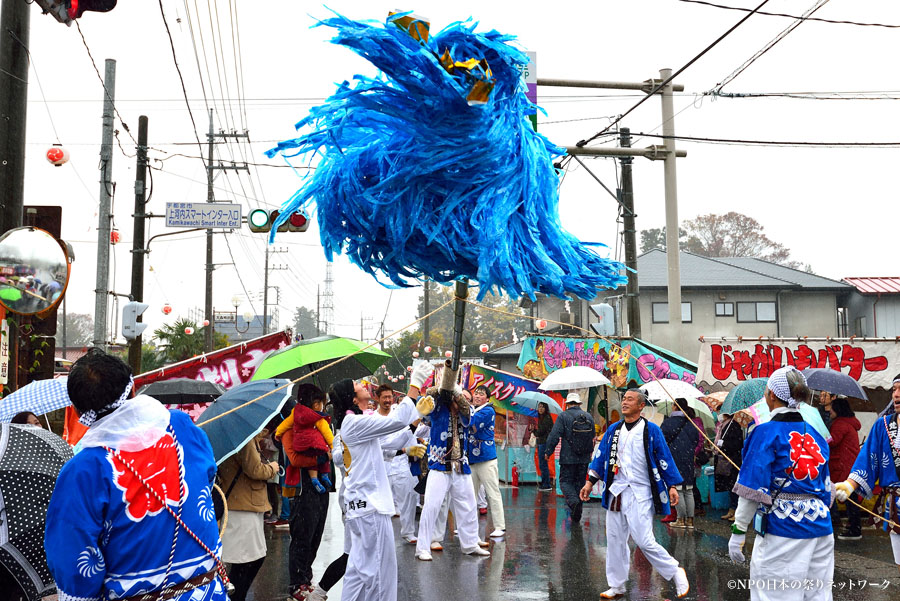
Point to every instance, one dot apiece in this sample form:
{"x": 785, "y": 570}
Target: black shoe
{"x": 850, "y": 535}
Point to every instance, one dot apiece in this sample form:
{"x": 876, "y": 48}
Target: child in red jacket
{"x": 312, "y": 434}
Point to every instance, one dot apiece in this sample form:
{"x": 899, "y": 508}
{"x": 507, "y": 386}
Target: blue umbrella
{"x": 530, "y": 399}
{"x": 245, "y": 410}
{"x": 743, "y": 395}
{"x": 835, "y": 382}
{"x": 38, "y": 397}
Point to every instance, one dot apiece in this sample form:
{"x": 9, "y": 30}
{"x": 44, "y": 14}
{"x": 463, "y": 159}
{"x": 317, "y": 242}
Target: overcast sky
{"x": 833, "y": 207}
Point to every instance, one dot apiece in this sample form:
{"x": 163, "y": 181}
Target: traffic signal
{"x": 131, "y": 327}
{"x": 261, "y": 220}
{"x": 65, "y": 11}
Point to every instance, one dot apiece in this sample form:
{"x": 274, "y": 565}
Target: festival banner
{"x": 503, "y": 387}
{"x": 872, "y": 364}
{"x": 628, "y": 363}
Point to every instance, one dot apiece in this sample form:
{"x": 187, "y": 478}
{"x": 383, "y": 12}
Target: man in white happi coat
{"x": 638, "y": 477}
{"x": 372, "y": 565}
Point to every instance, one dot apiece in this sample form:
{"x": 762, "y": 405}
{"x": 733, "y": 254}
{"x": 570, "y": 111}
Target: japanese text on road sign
{"x": 203, "y": 214}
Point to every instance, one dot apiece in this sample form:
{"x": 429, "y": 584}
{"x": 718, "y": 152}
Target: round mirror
{"x": 34, "y": 271}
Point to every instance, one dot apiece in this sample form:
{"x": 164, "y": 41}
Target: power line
{"x": 767, "y": 14}
{"x": 771, "y": 44}
{"x": 745, "y": 142}
{"x": 668, "y": 80}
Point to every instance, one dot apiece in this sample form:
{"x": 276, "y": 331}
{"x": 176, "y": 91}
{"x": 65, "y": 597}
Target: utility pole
{"x": 137, "y": 247}
{"x": 328, "y": 301}
{"x": 265, "y": 323}
{"x": 318, "y": 318}
{"x": 626, "y": 196}
{"x": 15, "y": 27}
{"x": 101, "y": 301}
{"x": 672, "y": 249}
{"x": 362, "y": 326}
{"x": 210, "y": 197}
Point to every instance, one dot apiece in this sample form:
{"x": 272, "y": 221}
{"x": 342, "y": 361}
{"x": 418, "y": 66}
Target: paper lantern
{"x": 189, "y": 331}
{"x": 58, "y": 156}
{"x": 484, "y": 348}
{"x": 415, "y": 354}
{"x": 448, "y": 354}
{"x": 401, "y": 377}
{"x": 205, "y": 322}
{"x": 166, "y": 309}
{"x": 409, "y": 368}
{"x": 427, "y": 349}
{"x": 541, "y": 324}
{"x": 114, "y": 237}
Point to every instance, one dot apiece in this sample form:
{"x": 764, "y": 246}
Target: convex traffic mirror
{"x": 34, "y": 271}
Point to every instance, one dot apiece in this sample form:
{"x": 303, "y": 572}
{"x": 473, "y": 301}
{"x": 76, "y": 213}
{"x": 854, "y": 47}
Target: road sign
{"x": 203, "y": 214}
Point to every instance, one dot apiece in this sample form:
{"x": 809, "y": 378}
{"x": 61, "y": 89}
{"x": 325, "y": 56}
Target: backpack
{"x": 582, "y": 439}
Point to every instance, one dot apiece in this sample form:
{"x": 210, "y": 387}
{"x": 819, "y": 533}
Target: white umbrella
{"x": 670, "y": 389}
{"x": 570, "y": 378}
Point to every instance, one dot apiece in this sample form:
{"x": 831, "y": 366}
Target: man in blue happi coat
{"x": 878, "y": 462}
{"x": 636, "y": 475}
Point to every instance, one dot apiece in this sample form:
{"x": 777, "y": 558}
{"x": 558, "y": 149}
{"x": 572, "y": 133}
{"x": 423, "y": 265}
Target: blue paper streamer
{"x": 413, "y": 182}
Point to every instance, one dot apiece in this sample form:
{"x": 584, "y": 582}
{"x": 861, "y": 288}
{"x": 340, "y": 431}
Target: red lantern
{"x": 409, "y": 368}
{"x": 189, "y": 331}
{"x": 415, "y": 354}
{"x": 448, "y": 354}
{"x": 205, "y": 322}
{"x": 401, "y": 377}
{"x": 58, "y": 156}
{"x": 166, "y": 309}
{"x": 114, "y": 237}
{"x": 484, "y": 348}
{"x": 427, "y": 349}
{"x": 541, "y": 324}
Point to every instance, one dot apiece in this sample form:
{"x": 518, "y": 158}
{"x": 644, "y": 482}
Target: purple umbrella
{"x": 835, "y": 382}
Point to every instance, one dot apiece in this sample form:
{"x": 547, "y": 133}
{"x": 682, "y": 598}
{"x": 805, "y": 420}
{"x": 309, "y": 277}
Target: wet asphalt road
{"x": 544, "y": 558}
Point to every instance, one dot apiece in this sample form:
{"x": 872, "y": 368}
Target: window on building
{"x": 861, "y": 329}
{"x": 661, "y": 312}
{"x": 763, "y": 311}
{"x": 724, "y": 309}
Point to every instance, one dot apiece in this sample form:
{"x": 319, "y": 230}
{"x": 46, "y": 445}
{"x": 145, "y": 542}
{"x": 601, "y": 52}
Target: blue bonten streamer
{"x": 414, "y": 182}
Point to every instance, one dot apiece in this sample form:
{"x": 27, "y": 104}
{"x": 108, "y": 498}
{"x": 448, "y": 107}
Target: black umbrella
{"x": 182, "y": 391}
{"x": 30, "y": 461}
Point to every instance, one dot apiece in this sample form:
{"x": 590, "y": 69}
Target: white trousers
{"x": 895, "y": 545}
{"x": 440, "y": 525}
{"x": 462, "y": 502}
{"x": 372, "y": 566}
{"x": 405, "y": 503}
{"x": 485, "y": 473}
{"x": 481, "y": 497}
{"x": 635, "y": 521}
{"x": 778, "y": 563}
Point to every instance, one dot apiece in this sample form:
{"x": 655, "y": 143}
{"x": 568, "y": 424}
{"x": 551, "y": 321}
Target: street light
{"x": 236, "y": 301}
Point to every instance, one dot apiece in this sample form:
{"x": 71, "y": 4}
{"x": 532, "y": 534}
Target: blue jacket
{"x": 106, "y": 539}
{"x": 438, "y": 452}
{"x": 481, "y": 434}
{"x": 787, "y": 445}
{"x": 662, "y": 471}
{"x": 875, "y": 462}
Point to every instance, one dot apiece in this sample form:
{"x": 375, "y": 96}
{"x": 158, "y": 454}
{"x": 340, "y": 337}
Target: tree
{"x": 178, "y": 346}
{"x": 151, "y": 357}
{"x": 730, "y": 235}
{"x": 306, "y": 323}
{"x": 79, "y": 329}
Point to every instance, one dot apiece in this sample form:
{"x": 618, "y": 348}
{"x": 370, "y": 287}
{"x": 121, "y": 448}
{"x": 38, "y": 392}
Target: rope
{"x": 675, "y": 402}
{"x": 224, "y": 521}
{"x": 220, "y": 567}
{"x": 329, "y": 365}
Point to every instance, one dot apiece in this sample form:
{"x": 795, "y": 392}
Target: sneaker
{"x": 317, "y": 594}
{"x": 423, "y": 556}
{"x": 281, "y": 524}
{"x": 477, "y": 551}
{"x": 498, "y": 533}
{"x": 542, "y": 489}
{"x": 484, "y": 544}
{"x": 410, "y": 539}
{"x": 436, "y": 546}
{"x": 318, "y": 486}
{"x": 612, "y": 593}
{"x": 678, "y": 523}
{"x": 669, "y": 518}
{"x": 682, "y": 586}
{"x": 850, "y": 535}
{"x": 482, "y": 510}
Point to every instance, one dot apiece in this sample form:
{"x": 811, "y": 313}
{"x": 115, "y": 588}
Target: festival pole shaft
{"x": 459, "y": 320}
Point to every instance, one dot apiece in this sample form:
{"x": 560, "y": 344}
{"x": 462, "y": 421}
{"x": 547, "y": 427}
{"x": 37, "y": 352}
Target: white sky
{"x": 833, "y": 207}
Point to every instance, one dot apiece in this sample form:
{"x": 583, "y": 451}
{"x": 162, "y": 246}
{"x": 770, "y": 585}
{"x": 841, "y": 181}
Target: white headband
{"x": 89, "y": 417}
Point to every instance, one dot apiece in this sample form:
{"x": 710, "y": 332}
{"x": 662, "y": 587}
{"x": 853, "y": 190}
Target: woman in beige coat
{"x": 243, "y": 477}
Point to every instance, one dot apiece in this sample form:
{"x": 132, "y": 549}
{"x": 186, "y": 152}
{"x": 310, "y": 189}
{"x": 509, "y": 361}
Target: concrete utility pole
{"x": 101, "y": 300}
{"x": 672, "y": 250}
{"x": 665, "y": 152}
{"x": 318, "y": 308}
{"x": 209, "y": 330}
{"x": 265, "y": 324}
{"x": 15, "y": 27}
{"x": 626, "y": 197}
{"x": 137, "y": 247}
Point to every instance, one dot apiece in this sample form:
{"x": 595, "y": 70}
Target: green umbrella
{"x": 307, "y": 356}
{"x": 10, "y": 294}
{"x": 743, "y": 395}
